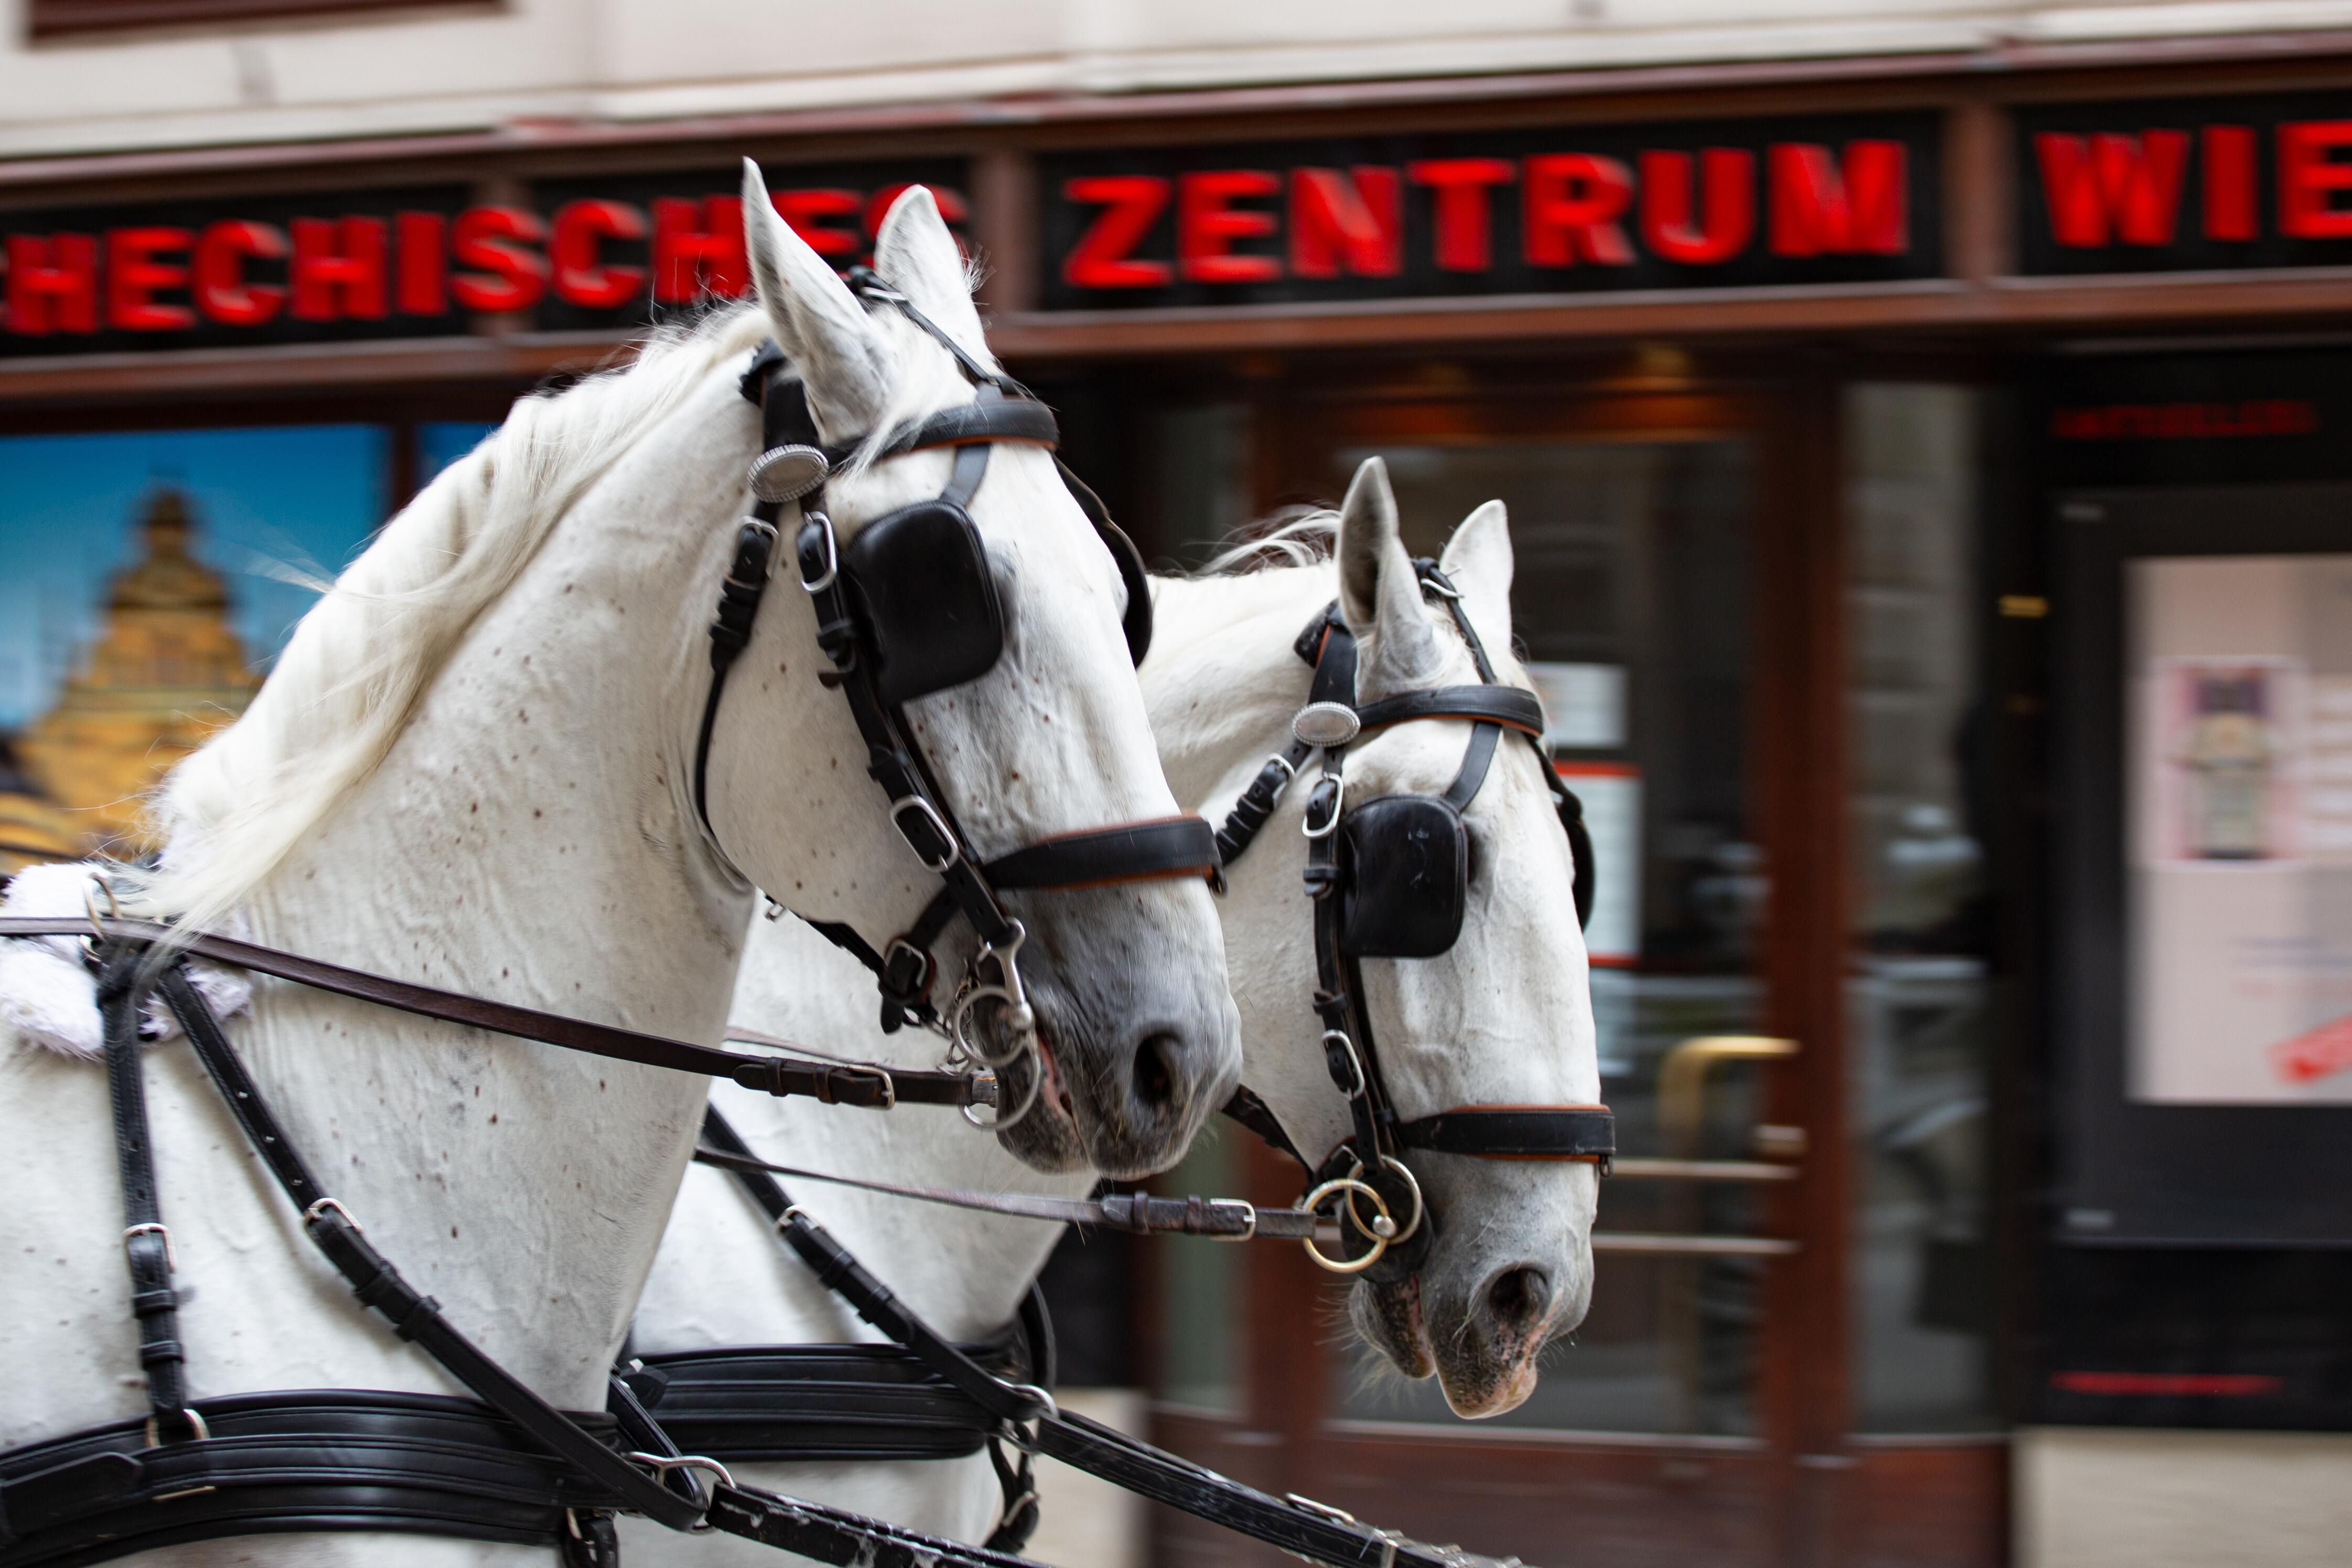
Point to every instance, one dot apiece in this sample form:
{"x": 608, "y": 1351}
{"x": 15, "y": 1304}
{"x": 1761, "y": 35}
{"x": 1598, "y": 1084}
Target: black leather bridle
{"x": 908, "y": 607}
{"x": 1363, "y": 907}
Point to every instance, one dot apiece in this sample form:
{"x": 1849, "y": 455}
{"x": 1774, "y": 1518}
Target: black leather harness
{"x": 1352, "y": 920}
{"x": 877, "y": 673}
{"x": 1029, "y": 1417}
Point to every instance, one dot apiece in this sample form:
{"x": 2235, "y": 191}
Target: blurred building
{"x": 1929, "y": 455}
{"x": 164, "y": 671}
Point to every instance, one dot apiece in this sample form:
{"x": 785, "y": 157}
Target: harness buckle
{"x": 196, "y": 1429}
{"x": 1249, "y": 1218}
{"x": 1346, "y": 1053}
{"x": 819, "y": 526}
{"x": 1338, "y": 795}
{"x": 311, "y": 1215}
{"x": 831, "y": 1096}
{"x": 171, "y": 1262}
{"x": 949, "y": 852}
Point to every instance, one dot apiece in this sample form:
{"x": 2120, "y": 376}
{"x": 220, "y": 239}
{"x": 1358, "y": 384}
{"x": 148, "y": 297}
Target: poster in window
{"x": 2240, "y": 826}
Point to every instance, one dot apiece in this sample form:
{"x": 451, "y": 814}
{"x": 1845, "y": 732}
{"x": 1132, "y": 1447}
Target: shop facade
{"x": 1880, "y": 439}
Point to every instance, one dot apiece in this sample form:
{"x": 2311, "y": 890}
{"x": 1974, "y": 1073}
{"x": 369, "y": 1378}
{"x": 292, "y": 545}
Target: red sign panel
{"x": 1586, "y": 209}
{"x": 2186, "y": 186}
{"x": 411, "y": 263}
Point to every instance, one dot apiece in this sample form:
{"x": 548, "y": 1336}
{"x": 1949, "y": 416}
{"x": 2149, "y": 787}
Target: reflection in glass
{"x": 147, "y": 578}
{"x": 1631, "y": 600}
{"x": 1917, "y": 994}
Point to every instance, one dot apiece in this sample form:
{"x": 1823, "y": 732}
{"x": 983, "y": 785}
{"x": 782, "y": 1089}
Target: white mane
{"x": 1294, "y": 536}
{"x": 364, "y": 655}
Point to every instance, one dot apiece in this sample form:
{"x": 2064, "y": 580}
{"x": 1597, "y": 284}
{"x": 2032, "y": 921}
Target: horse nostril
{"x": 1155, "y": 1072}
{"x": 1517, "y": 1298}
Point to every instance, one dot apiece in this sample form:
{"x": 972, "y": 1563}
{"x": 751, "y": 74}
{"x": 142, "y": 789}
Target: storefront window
{"x": 441, "y": 442}
{"x": 1199, "y": 1284}
{"x": 1631, "y": 600}
{"x": 147, "y": 578}
{"x": 1918, "y": 993}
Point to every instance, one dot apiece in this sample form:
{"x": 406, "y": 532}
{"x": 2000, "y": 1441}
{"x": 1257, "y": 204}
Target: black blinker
{"x": 1406, "y": 867}
{"x": 931, "y": 615}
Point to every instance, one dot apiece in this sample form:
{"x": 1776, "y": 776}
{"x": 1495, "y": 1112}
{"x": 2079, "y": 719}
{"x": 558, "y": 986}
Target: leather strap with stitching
{"x": 834, "y": 1083}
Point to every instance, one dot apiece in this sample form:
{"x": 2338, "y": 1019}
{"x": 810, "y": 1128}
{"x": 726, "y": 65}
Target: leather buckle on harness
{"x": 949, "y": 852}
{"x": 196, "y": 1429}
{"x": 827, "y": 1094}
{"x": 171, "y": 1263}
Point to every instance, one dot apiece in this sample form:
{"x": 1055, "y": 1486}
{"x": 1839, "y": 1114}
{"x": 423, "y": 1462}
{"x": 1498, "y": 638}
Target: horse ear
{"x": 916, "y": 256}
{"x": 1478, "y": 559}
{"x": 1379, "y": 598}
{"x": 844, "y": 363}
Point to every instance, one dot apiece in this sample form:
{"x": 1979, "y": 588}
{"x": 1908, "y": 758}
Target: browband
{"x": 1505, "y": 705}
{"x": 990, "y": 419}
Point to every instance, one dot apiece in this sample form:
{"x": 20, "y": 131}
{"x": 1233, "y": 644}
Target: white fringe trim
{"x": 46, "y": 994}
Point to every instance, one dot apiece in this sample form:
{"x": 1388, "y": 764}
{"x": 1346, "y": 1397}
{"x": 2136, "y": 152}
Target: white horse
{"x": 471, "y": 769}
{"x": 1503, "y": 1019}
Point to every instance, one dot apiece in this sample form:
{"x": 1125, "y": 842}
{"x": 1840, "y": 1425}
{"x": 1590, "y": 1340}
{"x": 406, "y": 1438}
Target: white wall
{"x": 2100, "y": 1498}
{"x": 480, "y": 65}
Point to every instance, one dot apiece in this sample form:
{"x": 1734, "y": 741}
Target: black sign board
{"x": 606, "y": 253}
{"x": 2194, "y": 185}
{"x": 1577, "y": 209}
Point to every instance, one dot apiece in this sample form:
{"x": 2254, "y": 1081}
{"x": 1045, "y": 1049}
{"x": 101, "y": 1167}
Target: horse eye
{"x": 1473, "y": 861}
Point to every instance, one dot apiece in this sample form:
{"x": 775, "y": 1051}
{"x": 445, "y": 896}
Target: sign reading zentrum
{"x": 419, "y": 262}
{"x": 1578, "y": 209}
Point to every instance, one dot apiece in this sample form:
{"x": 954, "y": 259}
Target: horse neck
{"x": 524, "y": 839}
{"x": 1222, "y": 684}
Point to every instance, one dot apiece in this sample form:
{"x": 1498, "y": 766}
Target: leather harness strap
{"x": 833, "y": 1083}
{"x": 146, "y": 1244}
{"x": 960, "y": 1370}
{"x": 1308, "y": 1530}
{"x": 83, "y": 1491}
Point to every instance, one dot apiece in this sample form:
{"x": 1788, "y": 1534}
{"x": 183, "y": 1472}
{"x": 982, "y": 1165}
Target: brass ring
{"x": 1399, "y": 1166}
{"x": 1351, "y": 1186}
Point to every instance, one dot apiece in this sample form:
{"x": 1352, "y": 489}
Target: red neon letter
{"x": 221, "y": 290}
{"x": 1727, "y": 179}
{"x": 1465, "y": 242}
{"x": 2308, "y": 179}
{"x": 513, "y": 276}
{"x": 2126, "y": 184}
{"x": 806, "y": 212}
{"x": 698, "y": 246}
{"x": 423, "y": 285}
{"x": 1206, "y": 225}
{"x": 1817, "y": 211}
{"x": 338, "y": 268}
{"x": 580, "y": 277}
{"x": 1131, "y": 204}
{"x": 2229, "y": 182}
{"x": 133, "y": 275}
{"x": 1573, "y": 202}
{"x": 52, "y": 284}
{"x": 1335, "y": 219}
